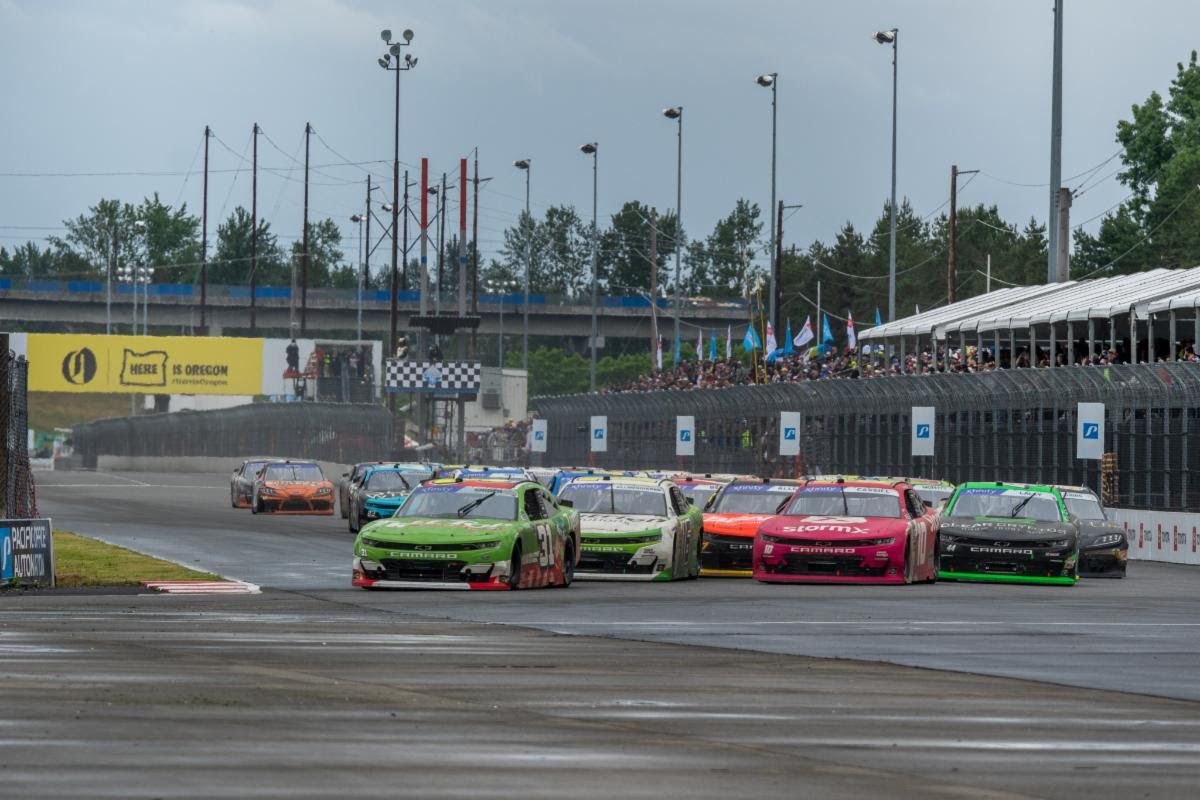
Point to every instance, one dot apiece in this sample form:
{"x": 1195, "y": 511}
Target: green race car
{"x": 1009, "y": 533}
{"x": 635, "y": 528}
{"x": 471, "y": 534}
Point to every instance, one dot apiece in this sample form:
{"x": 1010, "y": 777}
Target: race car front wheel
{"x": 514, "y": 568}
{"x": 568, "y": 568}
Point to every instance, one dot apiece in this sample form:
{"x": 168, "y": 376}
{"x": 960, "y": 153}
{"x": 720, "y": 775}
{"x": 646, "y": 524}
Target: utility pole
{"x": 113, "y": 265}
{"x": 362, "y": 279}
{"x": 776, "y": 284}
{"x": 254, "y": 229}
{"x": 654, "y": 283}
{"x": 952, "y": 232}
{"x": 1052, "y": 271}
{"x": 462, "y": 248}
{"x": 475, "y": 252}
{"x": 304, "y": 262}
{"x": 441, "y": 246}
{"x": 204, "y": 241}
{"x": 1063, "y": 266}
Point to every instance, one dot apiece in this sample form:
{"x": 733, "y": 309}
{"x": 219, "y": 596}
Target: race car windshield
{"x": 293, "y": 472}
{"x": 605, "y": 498}
{"x": 252, "y": 467}
{"x": 1006, "y": 503}
{"x": 836, "y": 501}
{"x": 754, "y": 498}
{"x": 387, "y": 481}
{"x": 1084, "y": 507}
{"x": 446, "y": 502}
{"x": 933, "y": 494}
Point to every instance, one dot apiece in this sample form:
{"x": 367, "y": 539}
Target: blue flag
{"x": 678, "y": 355}
{"x": 750, "y": 341}
{"x": 787, "y": 340}
{"x": 826, "y": 332}
{"x": 712, "y": 347}
{"x": 878, "y": 319}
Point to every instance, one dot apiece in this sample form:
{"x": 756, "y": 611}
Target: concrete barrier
{"x": 192, "y": 464}
{"x": 1160, "y": 535}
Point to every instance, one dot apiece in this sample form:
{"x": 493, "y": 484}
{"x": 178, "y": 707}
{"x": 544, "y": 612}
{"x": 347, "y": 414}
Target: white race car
{"x": 635, "y": 529}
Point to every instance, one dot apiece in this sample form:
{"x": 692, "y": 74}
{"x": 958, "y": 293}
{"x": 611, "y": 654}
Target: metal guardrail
{"x": 1013, "y": 425}
{"x": 340, "y": 432}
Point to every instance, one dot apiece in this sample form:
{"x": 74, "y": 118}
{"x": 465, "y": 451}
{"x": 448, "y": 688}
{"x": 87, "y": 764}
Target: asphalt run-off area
{"x": 708, "y": 688}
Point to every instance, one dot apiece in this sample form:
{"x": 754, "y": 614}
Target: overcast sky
{"x": 124, "y": 87}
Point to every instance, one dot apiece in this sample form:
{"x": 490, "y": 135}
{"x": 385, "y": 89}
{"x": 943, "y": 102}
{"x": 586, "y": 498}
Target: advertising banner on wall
{"x": 685, "y": 436}
{"x": 26, "y": 552}
{"x": 1089, "y": 431}
{"x": 924, "y": 433}
{"x": 599, "y": 435}
{"x": 537, "y": 443}
{"x": 96, "y": 363}
{"x": 789, "y": 433}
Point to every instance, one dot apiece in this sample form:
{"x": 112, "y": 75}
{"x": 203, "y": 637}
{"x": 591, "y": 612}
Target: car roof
{"x": 862, "y": 483}
{"x": 766, "y": 481}
{"x": 486, "y": 483}
{"x": 625, "y": 479}
{"x": 1033, "y": 487}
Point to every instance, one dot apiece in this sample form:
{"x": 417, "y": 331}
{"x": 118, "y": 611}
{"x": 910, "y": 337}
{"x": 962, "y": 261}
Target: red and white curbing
{"x": 203, "y": 587}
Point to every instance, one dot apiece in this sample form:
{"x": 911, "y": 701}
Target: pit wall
{"x": 1160, "y": 536}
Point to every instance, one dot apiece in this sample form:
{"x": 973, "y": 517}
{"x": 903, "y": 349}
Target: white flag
{"x": 805, "y": 335}
{"x": 658, "y": 355}
{"x": 729, "y": 342}
{"x": 850, "y": 337}
{"x": 700, "y": 345}
{"x": 770, "y": 345}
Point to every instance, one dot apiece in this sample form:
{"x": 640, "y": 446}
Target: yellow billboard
{"x": 81, "y": 362}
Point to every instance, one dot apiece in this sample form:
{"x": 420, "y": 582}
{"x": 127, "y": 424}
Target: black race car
{"x": 241, "y": 484}
{"x": 1103, "y": 544}
{"x": 1008, "y": 532}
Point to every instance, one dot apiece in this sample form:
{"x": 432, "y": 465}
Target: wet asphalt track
{"x": 697, "y": 688}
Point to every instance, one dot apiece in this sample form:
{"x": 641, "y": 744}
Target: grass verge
{"x": 80, "y": 561}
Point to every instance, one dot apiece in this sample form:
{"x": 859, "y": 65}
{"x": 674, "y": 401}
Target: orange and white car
{"x": 732, "y": 517}
{"x": 292, "y": 487}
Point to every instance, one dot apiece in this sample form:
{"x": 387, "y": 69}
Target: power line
{"x": 1145, "y": 238}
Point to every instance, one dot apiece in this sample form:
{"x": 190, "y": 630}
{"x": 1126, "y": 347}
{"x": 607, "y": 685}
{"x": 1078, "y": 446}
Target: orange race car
{"x": 731, "y": 519}
{"x": 291, "y": 487}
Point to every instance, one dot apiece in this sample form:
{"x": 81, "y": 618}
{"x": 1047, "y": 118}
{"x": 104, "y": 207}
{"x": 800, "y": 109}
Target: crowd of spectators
{"x": 830, "y": 363}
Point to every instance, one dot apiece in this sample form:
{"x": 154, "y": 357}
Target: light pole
{"x": 360, "y": 219}
{"x": 892, "y": 37}
{"x": 142, "y": 228}
{"x": 400, "y": 65}
{"x": 676, "y": 113}
{"x": 499, "y": 288}
{"x": 593, "y": 149}
{"x": 770, "y": 81}
{"x": 526, "y": 165}
{"x": 133, "y": 275}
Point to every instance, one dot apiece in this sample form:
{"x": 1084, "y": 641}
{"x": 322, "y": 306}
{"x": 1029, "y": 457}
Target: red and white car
{"x": 849, "y": 531}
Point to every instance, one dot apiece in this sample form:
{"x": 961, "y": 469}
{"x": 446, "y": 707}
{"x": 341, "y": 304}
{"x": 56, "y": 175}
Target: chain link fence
{"x": 338, "y": 432}
{"x": 20, "y": 496}
{"x": 1013, "y": 425}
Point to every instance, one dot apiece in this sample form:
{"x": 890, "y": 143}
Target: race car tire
{"x": 910, "y": 570}
{"x": 514, "y": 568}
{"x": 568, "y": 565}
{"x": 343, "y": 507}
{"x": 232, "y": 499}
{"x": 256, "y": 505}
{"x": 355, "y": 523}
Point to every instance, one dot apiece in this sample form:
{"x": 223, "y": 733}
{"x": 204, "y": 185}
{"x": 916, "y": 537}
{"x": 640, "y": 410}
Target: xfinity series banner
{"x": 26, "y": 552}
{"x": 924, "y": 430}
{"x": 537, "y": 443}
{"x": 86, "y": 363}
{"x": 1089, "y": 433}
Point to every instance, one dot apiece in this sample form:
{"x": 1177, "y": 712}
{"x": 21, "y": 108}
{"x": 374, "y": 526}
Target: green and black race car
{"x": 1009, "y": 533}
{"x": 470, "y": 534}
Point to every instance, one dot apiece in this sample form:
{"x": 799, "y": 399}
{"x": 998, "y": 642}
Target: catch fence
{"x": 339, "y": 432}
{"x": 1013, "y": 425}
{"x": 20, "y": 496}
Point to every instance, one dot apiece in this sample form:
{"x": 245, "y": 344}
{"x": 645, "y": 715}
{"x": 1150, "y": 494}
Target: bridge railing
{"x": 1013, "y": 425}
{"x": 222, "y": 295}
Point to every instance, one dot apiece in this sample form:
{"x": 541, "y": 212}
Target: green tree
{"x": 724, "y": 267}
{"x": 324, "y": 258}
{"x": 104, "y": 238}
{"x": 169, "y": 240}
{"x": 231, "y": 263}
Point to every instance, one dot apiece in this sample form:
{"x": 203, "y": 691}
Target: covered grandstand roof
{"x": 1140, "y": 293}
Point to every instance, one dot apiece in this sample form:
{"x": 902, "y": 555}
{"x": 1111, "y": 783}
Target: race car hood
{"x": 833, "y": 528}
{"x": 620, "y": 523}
{"x": 1092, "y": 529}
{"x": 297, "y": 486}
{"x": 735, "y": 524}
{"x": 1012, "y": 530}
{"x": 423, "y": 530}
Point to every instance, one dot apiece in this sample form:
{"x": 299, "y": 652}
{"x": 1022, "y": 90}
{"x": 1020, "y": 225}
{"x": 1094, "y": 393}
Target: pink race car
{"x": 859, "y": 531}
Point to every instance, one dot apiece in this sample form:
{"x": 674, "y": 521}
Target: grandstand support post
{"x": 1133, "y": 338}
{"x": 1171, "y": 335}
{"x": 1052, "y": 229}
{"x": 1052, "y": 359}
{"x": 1070, "y": 343}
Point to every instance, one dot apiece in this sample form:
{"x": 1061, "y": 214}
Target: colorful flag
{"x": 712, "y": 346}
{"x": 826, "y": 331}
{"x": 658, "y": 355}
{"x": 917, "y": 308}
{"x": 878, "y": 319}
{"x": 750, "y": 340}
{"x": 787, "y": 340}
{"x": 806, "y": 334}
{"x": 729, "y": 342}
{"x": 678, "y": 353}
{"x": 771, "y": 344}
{"x": 851, "y": 339}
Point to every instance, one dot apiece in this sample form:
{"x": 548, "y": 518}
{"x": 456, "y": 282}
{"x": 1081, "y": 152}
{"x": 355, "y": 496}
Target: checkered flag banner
{"x": 448, "y": 377}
